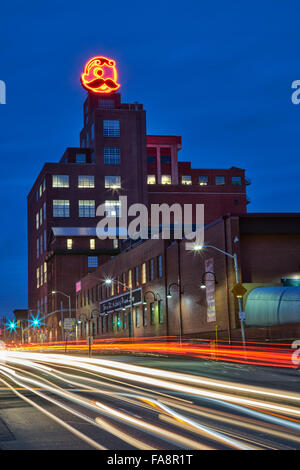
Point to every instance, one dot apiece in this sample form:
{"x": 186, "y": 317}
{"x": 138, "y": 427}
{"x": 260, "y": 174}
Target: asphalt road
{"x": 52, "y": 401}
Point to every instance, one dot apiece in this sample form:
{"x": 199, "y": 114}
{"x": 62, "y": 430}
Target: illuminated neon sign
{"x": 100, "y": 75}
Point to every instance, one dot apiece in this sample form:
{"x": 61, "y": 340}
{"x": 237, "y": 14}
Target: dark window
{"x": 151, "y": 159}
{"x": 160, "y": 312}
{"x": 145, "y": 323}
{"x": 236, "y": 180}
{"x": 151, "y": 269}
{"x": 165, "y": 159}
{"x": 152, "y": 313}
{"x": 220, "y": 180}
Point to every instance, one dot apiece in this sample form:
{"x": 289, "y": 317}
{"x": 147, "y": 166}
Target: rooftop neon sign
{"x": 100, "y": 75}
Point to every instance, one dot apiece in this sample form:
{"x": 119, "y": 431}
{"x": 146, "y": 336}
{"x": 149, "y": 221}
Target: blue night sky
{"x": 217, "y": 73}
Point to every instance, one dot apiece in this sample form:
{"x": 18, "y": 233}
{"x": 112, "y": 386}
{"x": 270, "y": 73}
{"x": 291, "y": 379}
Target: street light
{"x": 169, "y": 296}
{"x": 237, "y": 278}
{"x": 203, "y": 282}
{"x": 69, "y": 299}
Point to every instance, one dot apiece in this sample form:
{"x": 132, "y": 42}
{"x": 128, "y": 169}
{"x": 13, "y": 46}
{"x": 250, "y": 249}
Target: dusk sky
{"x": 217, "y": 73}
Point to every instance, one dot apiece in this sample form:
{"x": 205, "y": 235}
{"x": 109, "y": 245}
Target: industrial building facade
{"x": 116, "y": 157}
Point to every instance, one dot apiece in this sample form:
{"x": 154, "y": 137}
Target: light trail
{"x": 151, "y": 396}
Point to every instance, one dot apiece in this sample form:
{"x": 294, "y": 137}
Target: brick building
{"x": 168, "y": 281}
{"x": 115, "y": 158}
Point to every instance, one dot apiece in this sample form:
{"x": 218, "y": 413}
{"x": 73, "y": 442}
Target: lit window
{"x": 92, "y": 243}
{"x": 160, "y": 312}
{"x": 37, "y": 220}
{"x": 38, "y": 277}
{"x": 69, "y": 243}
{"x": 130, "y": 278}
{"x": 186, "y": 180}
{"x": 61, "y": 208}
{"x": 92, "y": 261}
{"x": 220, "y": 180}
{"x": 112, "y": 209}
{"x": 45, "y": 272}
{"x": 166, "y": 179}
{"x": 165, "y": 159}
{"x": 203, "y": 180}
{"x": 86, "y": 208}
{"x": 144, "y": 275}
{"x": 111, "y": 128}
{"x": 137, "y": 317}
{"x": 112, "y": 182}
{"x": 60, "y": 181}
{"x": 151, "y": 179}
{"x": 41, "y": 216}
{"x": 41, "y": 190}
{"x": 86, "y": 181}
{"x": 112, "y": 156}
{"x": 236, "y": 180}
{"x": 44, "y": 184}
{"x": 116, "y": 243}
{"x": 152, "y": 313}
{"x": 81, "y": 157}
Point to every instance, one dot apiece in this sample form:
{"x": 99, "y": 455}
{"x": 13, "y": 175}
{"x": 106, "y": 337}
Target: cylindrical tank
{"x": 268, "y": 306}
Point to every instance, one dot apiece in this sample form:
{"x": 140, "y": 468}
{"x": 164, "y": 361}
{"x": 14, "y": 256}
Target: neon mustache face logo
{"x": 100, "y": 75}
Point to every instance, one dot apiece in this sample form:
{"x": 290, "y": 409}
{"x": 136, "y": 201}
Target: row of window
{"x": 86, "y": 181}
{"x": 163, "y": 159}
{"x": 92, "y": 243}
{"x": 202, "y": 180}
{"x": 40, "y": 216}
{"x": 42, "y": 306}
{"x": 86, "y": 208}
{"x": 119, "y": 321}
{"x": 41, "y": 275}
{"x": 134, "y": 278}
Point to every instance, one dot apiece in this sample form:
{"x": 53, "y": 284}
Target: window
{"x": 37, "y": 248}
{"x": 69, "y": 243}
{"x": 159, "y": 266}
{"x": 203, "y": 180}
{"x": 61, "y": 208}
{"x": 81, "y": 157}
{"x": 86, "y": 208}
{"x": 136, "y": 276}
{"x": 145, "y": 323}
{"x": 112, "y": 156}
{"x": 92, "y": 243}
{"x": 130, "y": 278}
{"x": 92, "y": 261}
{"x": 236, "y": 180}
{"x": 236, "y": 202}
{"x": 86, "y": 181}
{"x": 45, "y": 272}
{"x": 151, "y": 158}
{"x": 112, "y": 208}
{"x": 41, "y": 216}
{"x": 186, "y": 180}
{"x": 151, "y": 179}
{"x": 41, "y": 190}
{"x": 165, "y": 159}
{"x": 60, "y": 181}
{"x": 41, "y": 244}
{"x": 106, "y": 104}
{"x": 137, "y": 317}
{"x": 112, "y": 182}
{"x": 37, "y": 219}
{"x": 144, "y": 274}
{"x": 152, "y": 313}
{"x": 160, "y": 312}
{"x": 45, "y": 240}
{"x": 166, "y": 179}
{"x": 92, "y": 132}
{"x": 151, "y": 269}
{"x": 115, "y": 243}
{"x": 220, "y": 180}
{"x": 44, "y": 184}
{"x": 44, "y": 210}
{"x": 111, "y": 128}
{"x": 38, "y": 277}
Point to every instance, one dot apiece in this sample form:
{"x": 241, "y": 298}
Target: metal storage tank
{"x": 268, "y": 306}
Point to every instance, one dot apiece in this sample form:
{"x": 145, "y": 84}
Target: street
{"x": 62, "y": 401}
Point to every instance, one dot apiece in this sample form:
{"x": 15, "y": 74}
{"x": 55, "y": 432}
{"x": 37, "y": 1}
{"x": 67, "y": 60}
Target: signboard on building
{"x": 210, "y": 290}
{"x": 69, "y": 323}
{"x": 120, "y": 301}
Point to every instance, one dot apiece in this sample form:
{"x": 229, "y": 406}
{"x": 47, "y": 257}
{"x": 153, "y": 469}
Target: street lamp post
{"x": 169, "y": 295}
{"x": 237, "y": 278}
{"x": 69, "y": 299}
